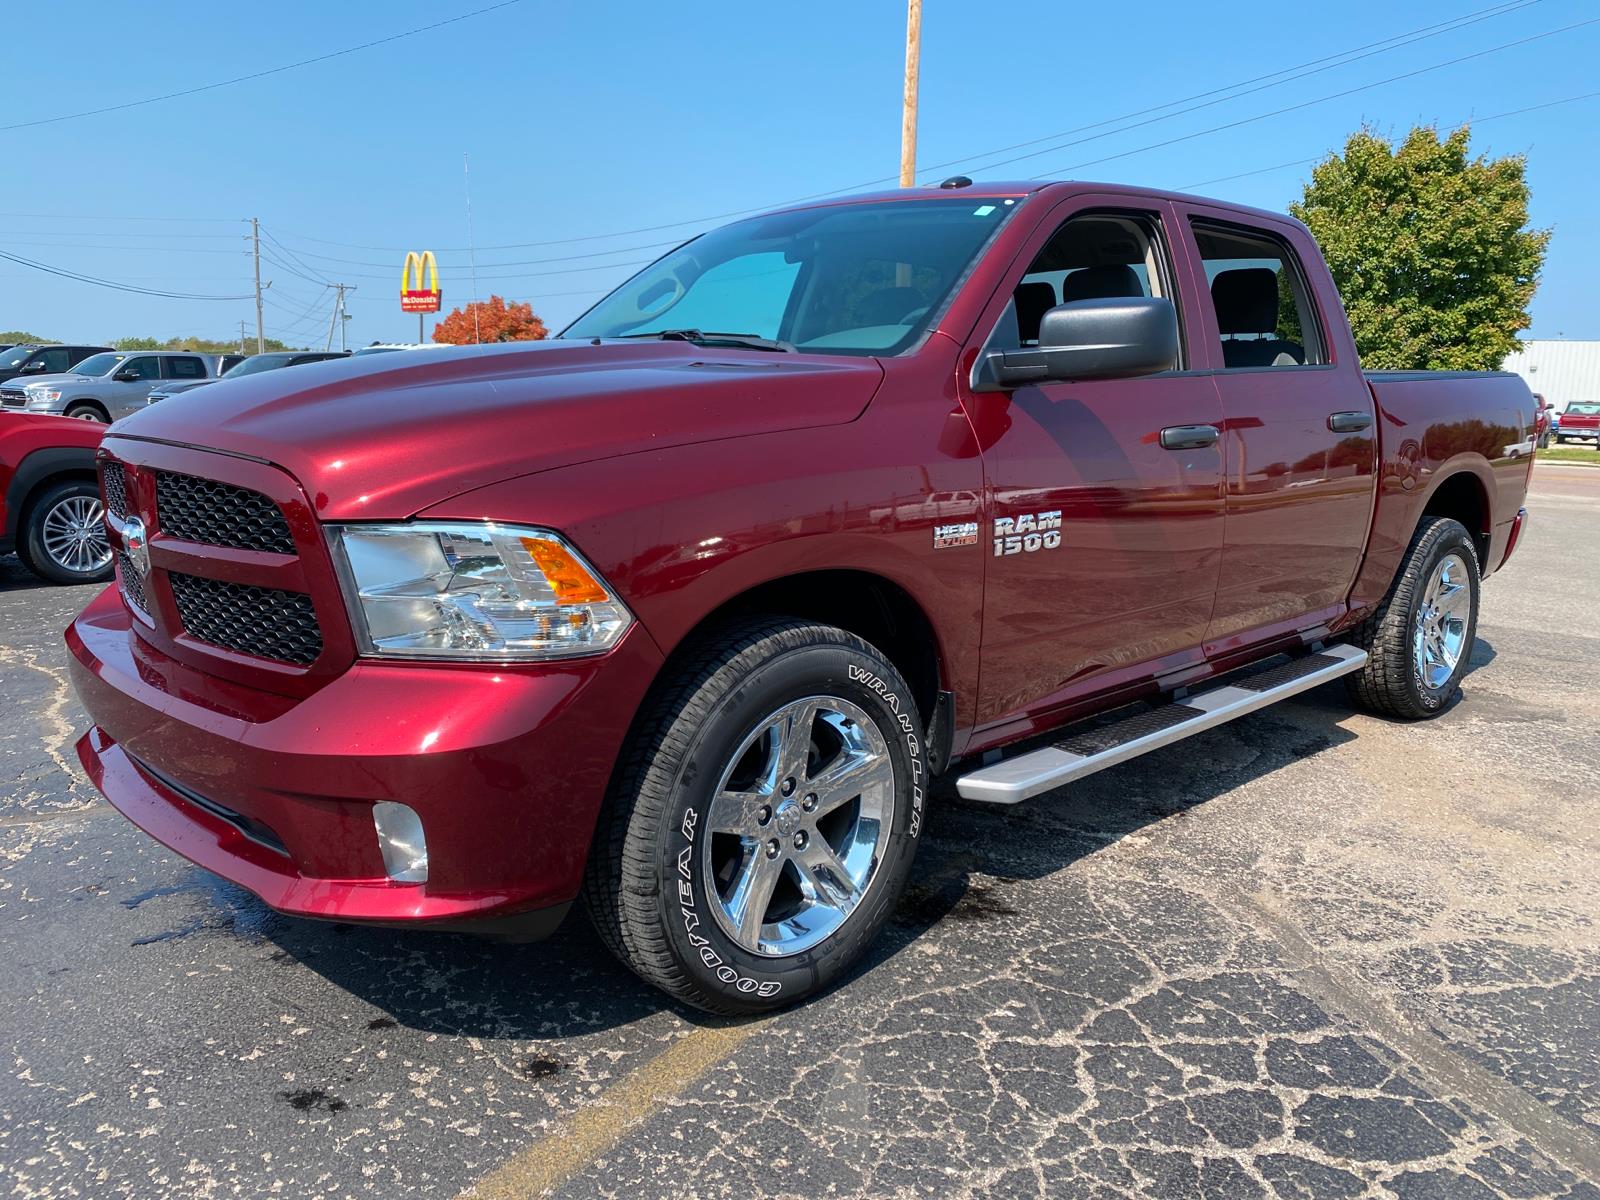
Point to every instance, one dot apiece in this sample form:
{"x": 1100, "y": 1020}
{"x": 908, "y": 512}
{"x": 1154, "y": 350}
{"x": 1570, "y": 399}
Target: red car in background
{"x": 1580, "y": 419}
{"x": 50, "y": 510}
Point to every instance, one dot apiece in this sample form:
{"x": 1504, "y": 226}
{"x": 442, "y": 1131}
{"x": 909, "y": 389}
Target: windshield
{"x": 844, "y": 279}
{"x": 99, "y": 364}
{"x": 258, "y": 362}
{"x": 15, "y": 358}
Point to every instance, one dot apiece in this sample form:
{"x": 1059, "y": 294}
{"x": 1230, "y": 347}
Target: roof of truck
{"x": 1003, "y": 189}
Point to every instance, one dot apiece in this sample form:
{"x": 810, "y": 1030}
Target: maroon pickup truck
{"x": 684, "y": 611}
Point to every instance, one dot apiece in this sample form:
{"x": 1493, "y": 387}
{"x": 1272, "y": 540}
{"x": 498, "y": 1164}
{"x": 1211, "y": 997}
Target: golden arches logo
{"x": 414, "y": 297}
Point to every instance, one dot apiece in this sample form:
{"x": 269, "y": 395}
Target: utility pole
{"x": 241, "y": 337}
{"x": 255, "y": 242}
{"x": 908, "y": 111}
{"x": 338, "y": 312}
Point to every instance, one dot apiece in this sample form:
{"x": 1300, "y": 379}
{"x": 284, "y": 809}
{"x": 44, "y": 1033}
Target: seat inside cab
{"x": 1091, "y": 257}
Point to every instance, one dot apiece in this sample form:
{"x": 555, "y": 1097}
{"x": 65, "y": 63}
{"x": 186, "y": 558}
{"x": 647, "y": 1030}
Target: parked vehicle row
{"x": 683, "y": 610}
{"x": 105, "y": 385}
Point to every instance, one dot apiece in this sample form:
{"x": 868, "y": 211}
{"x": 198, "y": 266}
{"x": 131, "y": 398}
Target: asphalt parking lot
{"x": 1313, "y": 955}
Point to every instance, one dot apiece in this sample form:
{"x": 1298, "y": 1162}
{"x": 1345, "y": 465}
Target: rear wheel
{"x": 63, "y": 537}
{"x": 1421, "y": 637}
{"x": 761, "y": 832}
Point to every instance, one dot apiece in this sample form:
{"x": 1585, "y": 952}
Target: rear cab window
{"x": 1258, "y": 293}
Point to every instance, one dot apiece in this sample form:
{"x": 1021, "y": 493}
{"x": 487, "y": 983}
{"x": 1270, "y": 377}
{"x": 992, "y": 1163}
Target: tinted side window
{"x": 56, "y": 359}
{"x": 185, "y": 368}
{"x": 1092, "y": 256}
{"x": 1258, "y": 292}
{"x": 144, "y": 368}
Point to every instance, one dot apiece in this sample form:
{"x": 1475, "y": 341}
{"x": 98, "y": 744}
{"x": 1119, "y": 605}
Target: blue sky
{"x": 589, "y": 121}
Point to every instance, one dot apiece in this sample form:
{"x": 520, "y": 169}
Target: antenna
{"x": 472, "y": 258}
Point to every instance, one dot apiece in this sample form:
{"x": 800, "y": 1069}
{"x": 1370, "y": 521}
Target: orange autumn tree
{"x": 497, "y": 321}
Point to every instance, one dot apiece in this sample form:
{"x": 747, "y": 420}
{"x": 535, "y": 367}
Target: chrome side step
{"x": 1015, "y": 779}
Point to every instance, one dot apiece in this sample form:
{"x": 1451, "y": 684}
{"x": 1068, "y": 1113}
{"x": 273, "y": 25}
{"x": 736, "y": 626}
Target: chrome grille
{"x": 114, "y": 481}
{"x": 265, "y": 622}
{"x": 13, "y": 397}
{"x": 132, "y": 583}
{"x": 219, "y": 514}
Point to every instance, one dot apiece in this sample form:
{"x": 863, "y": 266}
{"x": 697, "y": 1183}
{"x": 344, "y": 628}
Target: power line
{"x": 1474, "y": 121}
{"x": 1316, "y": 67}
{"x": 1278, "y": 112}
{"x": 108, "y": 283}
{"x": 1293, "y": 72}
{"x": 221, "y": 83}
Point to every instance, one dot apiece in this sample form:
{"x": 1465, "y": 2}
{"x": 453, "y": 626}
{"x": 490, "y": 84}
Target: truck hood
{"x": 71, "y": 377}
{"x": 383, "y": 436}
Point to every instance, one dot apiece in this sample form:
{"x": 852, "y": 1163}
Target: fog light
{"x": 405, "y": 850}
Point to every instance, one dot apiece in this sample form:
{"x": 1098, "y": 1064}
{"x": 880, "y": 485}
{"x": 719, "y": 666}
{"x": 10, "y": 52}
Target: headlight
{"x": 446, "y": 589}
{"x": 42, "y": 397}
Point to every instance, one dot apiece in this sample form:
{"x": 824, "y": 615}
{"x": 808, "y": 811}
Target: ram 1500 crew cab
{"x": 685, "y": 610}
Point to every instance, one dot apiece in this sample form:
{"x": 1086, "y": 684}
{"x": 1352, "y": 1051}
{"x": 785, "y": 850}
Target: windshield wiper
{"x": 701, "y": 337}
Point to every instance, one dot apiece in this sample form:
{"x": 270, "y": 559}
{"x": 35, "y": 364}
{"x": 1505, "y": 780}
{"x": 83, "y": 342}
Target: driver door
{"x": 1104, "y": 548}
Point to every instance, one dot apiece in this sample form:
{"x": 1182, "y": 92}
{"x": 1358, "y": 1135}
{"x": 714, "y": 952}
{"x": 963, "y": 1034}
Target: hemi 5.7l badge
{"x": 1027, "y": 533}
{"x": 964, "y": 533}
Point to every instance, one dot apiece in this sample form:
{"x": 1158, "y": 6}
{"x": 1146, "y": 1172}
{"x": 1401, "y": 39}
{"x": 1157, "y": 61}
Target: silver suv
{"x": 106, "y": 386}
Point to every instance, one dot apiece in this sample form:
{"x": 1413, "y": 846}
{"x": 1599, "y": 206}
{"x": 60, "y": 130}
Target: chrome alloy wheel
{"x": 797, "y": 826}
{"x": 1440, "y": 634}
{"x": 74, "y": 535}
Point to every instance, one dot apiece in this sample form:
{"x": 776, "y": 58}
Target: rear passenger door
{"x": 1103, "y": 547}
{"x": 1299, "y": 443}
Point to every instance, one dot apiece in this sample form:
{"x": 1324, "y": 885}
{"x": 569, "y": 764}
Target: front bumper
{"x": 507, "y": 767}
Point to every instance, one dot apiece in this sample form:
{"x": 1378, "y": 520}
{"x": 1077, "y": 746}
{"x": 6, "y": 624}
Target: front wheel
{"x": 88, "y": 412}
{"x": 1421, "y": 637}
{"x": 760, "y": 832}
{"x": 63, "y": 537}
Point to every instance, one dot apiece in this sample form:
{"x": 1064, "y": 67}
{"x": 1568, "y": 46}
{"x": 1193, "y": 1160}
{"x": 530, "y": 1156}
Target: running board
{"x": 1015, "y": 779}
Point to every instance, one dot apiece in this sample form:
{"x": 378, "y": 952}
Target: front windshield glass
{"x": 15, "y": 358}
{"x": 843, "y": 279}
{"x": 99, "y": 364}
{"x": 257, "y": 362}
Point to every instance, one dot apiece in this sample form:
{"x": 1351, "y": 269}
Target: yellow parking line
{"x": 598, "y": 1126}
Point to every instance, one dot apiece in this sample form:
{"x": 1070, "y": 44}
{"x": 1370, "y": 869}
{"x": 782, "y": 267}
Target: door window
{"x": 1259, "y": 295}
{"x": 144, "y": 368}
{"x": 1093, "y": 256}
{"x": 56, "y": 359}
{"x": 185, "y": 368}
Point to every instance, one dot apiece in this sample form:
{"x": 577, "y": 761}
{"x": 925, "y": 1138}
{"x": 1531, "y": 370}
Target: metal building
{"x": 1561, "y": 371}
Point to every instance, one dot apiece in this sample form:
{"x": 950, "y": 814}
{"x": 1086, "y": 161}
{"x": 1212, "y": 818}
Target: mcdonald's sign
{"x": 413, "y": 296}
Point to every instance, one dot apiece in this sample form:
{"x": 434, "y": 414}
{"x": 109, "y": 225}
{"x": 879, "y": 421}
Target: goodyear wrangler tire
{"x": 1420, "y": 639}
{"x": 761, "y": 828}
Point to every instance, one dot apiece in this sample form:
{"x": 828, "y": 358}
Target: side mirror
{"x": 126, "y": 375}
{"x": 1088, "y": 339}
{"x": 36, "y": 367}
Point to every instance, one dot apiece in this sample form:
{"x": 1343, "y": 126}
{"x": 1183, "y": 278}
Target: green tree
{"x": 1431, "y": 248}
{"x": 199, "y": 345}
{"x": 15, "y": 337}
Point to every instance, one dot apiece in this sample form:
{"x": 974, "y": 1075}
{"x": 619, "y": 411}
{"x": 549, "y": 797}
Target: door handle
{"x": 1189, "y": 437}
{"x": 1349, "y": 422}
